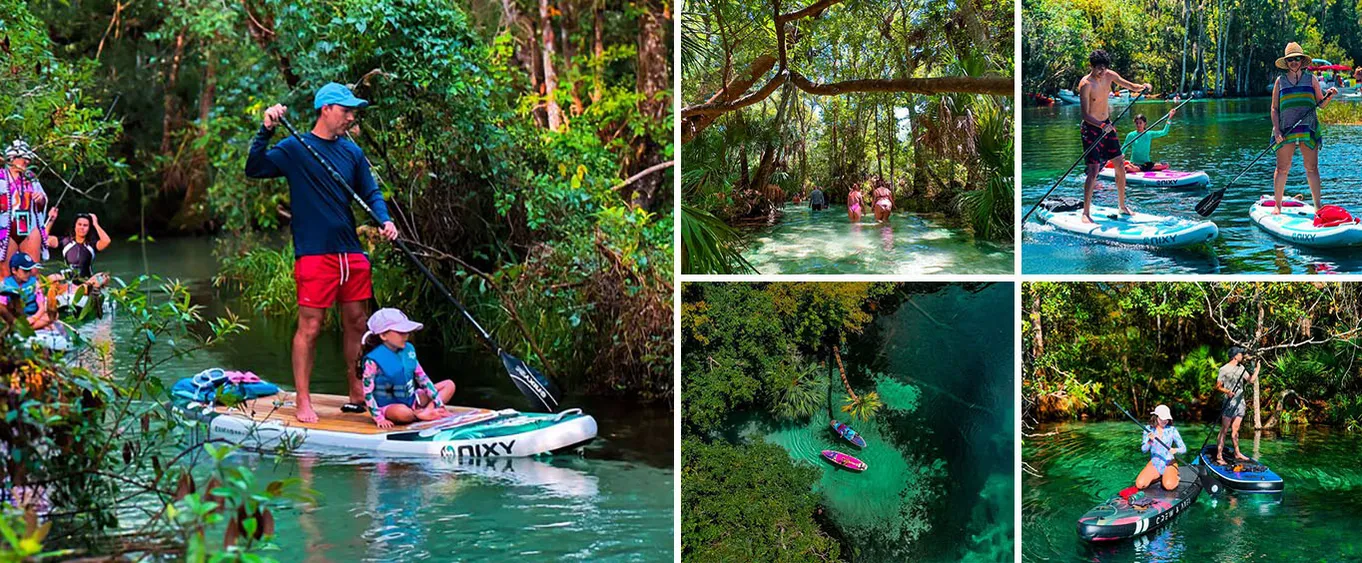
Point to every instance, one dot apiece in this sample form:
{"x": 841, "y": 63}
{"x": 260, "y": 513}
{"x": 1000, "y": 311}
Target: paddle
{"x": 538, "y": 389}
{"x": 1080, "y": 159}
{"x": 1207, "y": 205}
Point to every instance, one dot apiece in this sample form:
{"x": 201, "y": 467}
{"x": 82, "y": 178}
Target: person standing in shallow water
{"x": 816, "y": 199}
{"x": 854, "y": 198}
{"x": 884, "y": 200}
{"x": 1294, "y": 96}
{"x": 1098, "y": 130}
{"x": 329, "y": 264}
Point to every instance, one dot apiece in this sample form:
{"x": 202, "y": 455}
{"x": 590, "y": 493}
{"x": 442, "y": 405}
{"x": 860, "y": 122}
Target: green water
{"x": 1083, "y": 464}
{"x": 827, "y": 242}
{"x": 938, "y": 486}
{"x": 1220, "y": 137}
{"x": 614, "y": 502}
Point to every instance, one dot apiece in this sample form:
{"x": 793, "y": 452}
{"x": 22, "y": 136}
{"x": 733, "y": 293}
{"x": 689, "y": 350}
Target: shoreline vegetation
{"x": 1089, "y": 346}
{"x": 1219, "y": 48}
{"x": 839, "y": 101}
{"x": 532, "y": 171}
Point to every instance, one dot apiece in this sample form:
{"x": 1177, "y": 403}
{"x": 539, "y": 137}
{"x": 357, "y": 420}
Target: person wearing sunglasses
{"x": 1295, "y": 96}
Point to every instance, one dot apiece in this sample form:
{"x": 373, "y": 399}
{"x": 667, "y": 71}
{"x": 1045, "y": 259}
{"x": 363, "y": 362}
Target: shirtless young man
{"x": 1097, "y": 128}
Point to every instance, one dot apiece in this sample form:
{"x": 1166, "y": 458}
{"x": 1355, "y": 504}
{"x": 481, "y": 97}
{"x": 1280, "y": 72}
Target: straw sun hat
{"x": 1293, "y": 49}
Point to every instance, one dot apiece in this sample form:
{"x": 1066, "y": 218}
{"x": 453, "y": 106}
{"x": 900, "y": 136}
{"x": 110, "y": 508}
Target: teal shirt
{"x": 1139, "y": 148}
{"x": 28, "y": 292}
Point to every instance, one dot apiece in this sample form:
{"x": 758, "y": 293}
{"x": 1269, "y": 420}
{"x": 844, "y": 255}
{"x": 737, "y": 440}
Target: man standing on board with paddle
{"x": 1097, "y": 129}
{"x": 330, "y": 265}
{"x": 1230, "y": 381}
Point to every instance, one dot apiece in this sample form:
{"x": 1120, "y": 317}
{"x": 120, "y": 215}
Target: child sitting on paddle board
{"x": 1140, "y": 139}
{"x": 396, "y": 389}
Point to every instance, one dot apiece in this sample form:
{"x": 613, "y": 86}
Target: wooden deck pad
{"x": 280, "y": 408}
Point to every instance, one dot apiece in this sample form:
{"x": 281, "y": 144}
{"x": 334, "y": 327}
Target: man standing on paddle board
{"x": 1231, "y": 381}
{"x": 1098, "y": 130}
{"x": 329, "y": 264}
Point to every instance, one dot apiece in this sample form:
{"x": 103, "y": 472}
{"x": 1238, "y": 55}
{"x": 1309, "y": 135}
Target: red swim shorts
{"x": 324, "y": 278}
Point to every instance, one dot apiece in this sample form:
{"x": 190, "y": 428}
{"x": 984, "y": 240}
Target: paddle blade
{"x": 1207, "y": 205}
{"x": 541, "y": 392}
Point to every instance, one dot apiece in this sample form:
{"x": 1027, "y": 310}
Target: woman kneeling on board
{"x": 1162, "y": 464}
{"x": 391, "y": 375}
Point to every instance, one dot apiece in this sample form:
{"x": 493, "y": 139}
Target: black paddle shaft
{"x": 1080, "y": 159}
{"x": 538, "y": 386}
{"x": 1208, "y": 204}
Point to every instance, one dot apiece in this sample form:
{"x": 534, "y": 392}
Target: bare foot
{"x": 1126, "y": 211}
{"x": 1277, "y": 210}
{"x": 1240, "y": 456}
{"x": 429, "y": 414}
{"x": 305, "y": 413}
{"x": 1220, "y": 461}
{"x": 1087, "y": 219}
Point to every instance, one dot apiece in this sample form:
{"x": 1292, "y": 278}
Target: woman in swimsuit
{"x": 1294, "y": 98}
{"x": 884, "y": 201}
{"x": 1162, "y": 466}
{"x": 854, "y": 204}
{"x": 21, "y": 199}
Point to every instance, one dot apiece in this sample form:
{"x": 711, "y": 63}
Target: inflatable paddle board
{"x": 1165, "y": 178}
{"x": 844, "y": 460}
{"x": 847, "y": 433}
{"x": 1140, "y": 229}
{"x": 1243, "y": 476}
{"x": 265, "y": 422}
{"x": 1296, "y": 225}
{"x": 1117, "y": 519}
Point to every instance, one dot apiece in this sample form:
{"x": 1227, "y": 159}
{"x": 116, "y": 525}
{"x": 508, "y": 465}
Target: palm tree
{"x": 863, "y": 407}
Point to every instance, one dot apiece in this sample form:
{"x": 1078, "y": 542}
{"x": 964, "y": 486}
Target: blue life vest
{"x": 396, "y": 379}
{"x": 27, "y": 292}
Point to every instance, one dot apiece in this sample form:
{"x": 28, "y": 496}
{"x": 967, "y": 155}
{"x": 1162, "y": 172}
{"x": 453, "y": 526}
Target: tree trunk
{"x": 555, "y": 113}
{"x": 1186, "y": 34}
{"x": 1037, "y": 330}
{"x": 170, "y": 104}
{"x": 850, "y": 392}
{"x": 653, "y": 81}
{"x": 260, "y": 25}
{"x": 598, "y": 52}
{"x": 1257, "y": 340}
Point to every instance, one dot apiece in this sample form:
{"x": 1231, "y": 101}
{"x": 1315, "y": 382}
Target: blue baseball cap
{"x": 21, "y": 261}
{"x": 334, "y": 93}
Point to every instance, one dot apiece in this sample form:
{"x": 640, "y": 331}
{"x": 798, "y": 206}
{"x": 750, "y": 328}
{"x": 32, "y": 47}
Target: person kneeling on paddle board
{"x": 1139, "y": 142}
{"x": 1295, "y": 96}
{"x": 1162, "y": 465}
{"x": 1098, "y": 130}
{"x": 396, "y": 389}
{"x": 1231, "y": 380}
{"x": 23, "y": 283}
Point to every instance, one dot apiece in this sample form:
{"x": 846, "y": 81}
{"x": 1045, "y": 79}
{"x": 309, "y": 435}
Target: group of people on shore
{"x": 880, "y": 194}
{"x": 1296, "y": 95}
{"x": 26, "y": 229}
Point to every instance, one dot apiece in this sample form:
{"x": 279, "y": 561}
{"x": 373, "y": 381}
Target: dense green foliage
{"x": 770, "y": 520}
{"x": 949, "y": 151}
{"x": 1222, "y": 47}
{"x": 88, "y": 446}
{"x": 538, "y": 186}
{"x": 753, "y": 346}
{"x": 1089, "y": 344}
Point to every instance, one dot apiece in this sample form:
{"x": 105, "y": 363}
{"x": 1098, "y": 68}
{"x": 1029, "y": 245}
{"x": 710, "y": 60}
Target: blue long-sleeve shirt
{"x": 1158, "y": 454}
{"x": 323, "y": 222}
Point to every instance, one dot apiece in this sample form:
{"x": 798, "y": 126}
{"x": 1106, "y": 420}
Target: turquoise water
{"x": 613, "y": 502}
{"x": 1217, "y": 136}
{"x": 1073, "y": 467}
{"x": 827, "y": 242}
{"x": 939, "y": 485}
